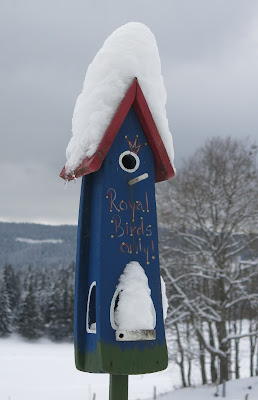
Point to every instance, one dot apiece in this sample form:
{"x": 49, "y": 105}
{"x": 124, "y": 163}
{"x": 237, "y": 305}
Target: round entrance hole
{"x": 129, "y": 161}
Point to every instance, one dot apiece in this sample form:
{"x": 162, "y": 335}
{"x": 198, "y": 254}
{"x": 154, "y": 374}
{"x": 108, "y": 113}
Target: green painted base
{"x": 112, "y": 360}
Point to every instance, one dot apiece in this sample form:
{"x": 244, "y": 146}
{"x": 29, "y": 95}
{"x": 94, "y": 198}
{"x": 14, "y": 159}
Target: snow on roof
{"x": 130, "y": 51}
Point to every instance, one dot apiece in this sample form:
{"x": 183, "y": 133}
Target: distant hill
{"x": 46, "y": 245}
{"x": 37, "y": 245}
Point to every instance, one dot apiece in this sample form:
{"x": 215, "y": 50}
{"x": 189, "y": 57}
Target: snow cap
{"x": 130, "y": 51}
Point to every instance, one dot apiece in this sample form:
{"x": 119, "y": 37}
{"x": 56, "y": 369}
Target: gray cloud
{"x": 209, "y": 60}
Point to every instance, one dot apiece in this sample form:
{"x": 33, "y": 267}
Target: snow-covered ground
{"x": 235, "y": 390}
{"x": 45, "y": 370}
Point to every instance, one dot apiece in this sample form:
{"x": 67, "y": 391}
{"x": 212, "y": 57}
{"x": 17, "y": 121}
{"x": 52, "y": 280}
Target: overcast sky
{"x": 209, "y": 58}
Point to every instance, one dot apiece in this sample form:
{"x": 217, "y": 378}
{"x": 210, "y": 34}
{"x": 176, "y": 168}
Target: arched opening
{"x": 91, "y": 310}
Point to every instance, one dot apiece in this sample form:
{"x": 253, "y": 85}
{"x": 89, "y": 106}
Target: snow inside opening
{"x": 91, "y": 325}
{"x": 130, "y": 51}
{"x": 135, "y": 309}
{"x": 164, "y": 298}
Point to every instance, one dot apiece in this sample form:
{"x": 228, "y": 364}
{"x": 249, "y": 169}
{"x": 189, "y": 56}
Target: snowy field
{"x": 242, "y": 389}
{"x": 45, "y": 370}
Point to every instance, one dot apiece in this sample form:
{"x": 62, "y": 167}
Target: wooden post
{"x": 224, "y": 388}
{"x": 118, "y": 387}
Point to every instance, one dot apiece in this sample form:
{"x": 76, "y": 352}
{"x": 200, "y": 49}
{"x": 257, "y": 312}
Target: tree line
{"x": 210, "y": 210}
{"x": 36, "y": 302}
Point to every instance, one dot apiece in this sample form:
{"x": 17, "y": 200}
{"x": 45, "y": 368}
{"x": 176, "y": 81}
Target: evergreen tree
{"x": 42, "y": 283}
{"x": 54, "y": 314}
{"x": 5, "y": 312}
{"x": 29, "y": 321}
{"x": 37, "y": 302}
{"x": 68, "y": 306}
{"x": 11, "y": 282}
{"x": 60, "y": 312}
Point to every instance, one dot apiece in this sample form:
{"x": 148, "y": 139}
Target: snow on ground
{"x": 130, "y": 51}
{"x": 45, "y": 370}
{"x": 235, "y": 390}
{"x": 38, "y": 241}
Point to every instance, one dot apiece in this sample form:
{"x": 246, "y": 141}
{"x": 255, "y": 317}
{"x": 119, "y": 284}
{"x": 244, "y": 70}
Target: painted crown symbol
{"x": 135, "y": 147}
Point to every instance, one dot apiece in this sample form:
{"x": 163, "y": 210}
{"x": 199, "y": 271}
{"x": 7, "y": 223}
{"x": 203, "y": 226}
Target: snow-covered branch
{"x": 247, "y": 297}
{"x": 211, "y": 349}
{"x": 239, "y": 336}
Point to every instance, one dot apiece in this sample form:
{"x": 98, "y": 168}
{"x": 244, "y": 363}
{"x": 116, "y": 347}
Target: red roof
{"x": 133, "y": 98}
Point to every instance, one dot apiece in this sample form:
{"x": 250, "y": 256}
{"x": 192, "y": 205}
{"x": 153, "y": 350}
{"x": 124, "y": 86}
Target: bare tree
{"x": 210, "y": 210}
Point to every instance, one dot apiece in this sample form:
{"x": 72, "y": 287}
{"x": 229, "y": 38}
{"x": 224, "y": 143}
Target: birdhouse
{"x": 119, "y": 327}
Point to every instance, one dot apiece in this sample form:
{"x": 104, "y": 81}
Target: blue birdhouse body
{"x": 118, "y": 225}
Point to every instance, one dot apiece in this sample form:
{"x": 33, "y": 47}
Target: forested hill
{"x": 37, "y": 245}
